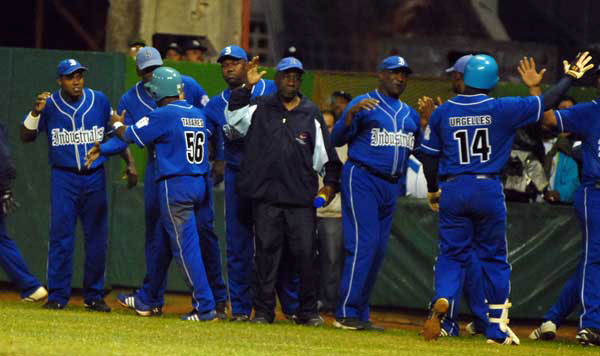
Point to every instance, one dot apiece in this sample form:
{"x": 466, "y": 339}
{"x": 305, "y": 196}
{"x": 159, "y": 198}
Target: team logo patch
{"x": 427, "y": 133}
{"x": 142, "y": 122}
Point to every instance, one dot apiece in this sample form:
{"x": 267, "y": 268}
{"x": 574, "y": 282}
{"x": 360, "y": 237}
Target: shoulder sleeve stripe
{"x": 136, "y": 136}
{"x": 540, "y": 112}
{"x": 560, "y": 120}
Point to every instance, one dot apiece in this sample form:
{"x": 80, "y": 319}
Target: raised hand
{"x": 579, "y": 66}
{"x": 117, "y": 118}
{"x": 425, "y": 107}
{"x": 529, "y": 75}
{"x": 252, "y": 74}
{"x": 40, "y": 103}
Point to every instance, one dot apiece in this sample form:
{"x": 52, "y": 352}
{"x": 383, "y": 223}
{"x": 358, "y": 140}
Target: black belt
{"x": 84, "y": 172}
{"x": 388, "y": 177}
{"x": 477, "y": 176}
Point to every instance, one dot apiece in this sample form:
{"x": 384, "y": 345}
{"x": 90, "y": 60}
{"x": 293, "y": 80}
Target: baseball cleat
{"x": 349, "y": 324}
{"x": 432, "y": 328}
{"x": 472, "y": 330}
{"x": 369, "y": 326}
{"x": 40, "y": 294}
{"x": 53, "y": 305}
{"x": 126, "y": 300}
{"x": 194, "y": 315}
{"x": 221, "y": 310}
{"x": 588, "y": 337}
{"x": 240, "y": 318}
{"x": 546, "y": 331}
{"x": 313, "y": 321}
{"x": 97, "y": 305}
{"x": 260, "y": 320}
{"x": 507, "y": 341}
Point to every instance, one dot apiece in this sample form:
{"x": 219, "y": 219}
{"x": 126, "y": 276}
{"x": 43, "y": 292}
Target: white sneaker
{"x": 511, "y": 339}
{"x": 40, "y": 294}
{"x": 546, "y": 331}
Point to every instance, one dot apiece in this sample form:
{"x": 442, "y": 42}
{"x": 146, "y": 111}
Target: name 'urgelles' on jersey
{"x": 179, "y": 133}
{"x": 382, "y": 138}
{"x": 473, "y": 134}
{"x": 215, "y": 112}
{"x": 584, "y": 119}
{"x": 73, "y": 128}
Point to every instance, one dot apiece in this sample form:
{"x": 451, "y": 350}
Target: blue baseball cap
{"x": 460, "y": 64}
{"x": 394, "y": 62}
{"x": 148, "y": 57}
{"x": 288, "y": 63}
{"x": 68, "y": 66}
{"x": 232, "y": 51}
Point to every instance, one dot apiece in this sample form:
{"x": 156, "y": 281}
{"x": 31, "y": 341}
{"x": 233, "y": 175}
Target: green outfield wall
{"x": 544, "y": 241}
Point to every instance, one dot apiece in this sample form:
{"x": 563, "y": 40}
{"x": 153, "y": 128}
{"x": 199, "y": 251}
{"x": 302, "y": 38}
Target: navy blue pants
{"x": 14, "y": 265}
{"x": 473, "y": 220}
{"x": 211, "y": 251}
{"x": 368, "y": 204}
{"x": 240, "y": 255}
{"x": 77, "y": 195}
{"x": 181, "y": 202}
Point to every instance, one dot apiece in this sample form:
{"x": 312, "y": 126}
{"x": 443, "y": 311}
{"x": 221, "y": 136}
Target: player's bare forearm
{"x": 127, "y": 156}
{"x": 120, "y": 132}
{"x": 27, "y": 135}
{"x": 549, "y": 119}
{"x": 535, "y": 91}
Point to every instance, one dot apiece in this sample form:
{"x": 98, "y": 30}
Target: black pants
{"x": 331, "y": 260}
{"x": 275, "y": 228}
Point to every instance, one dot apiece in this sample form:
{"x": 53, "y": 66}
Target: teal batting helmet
{"x": 481, "y": 72}
{"x": 165, "y": 82}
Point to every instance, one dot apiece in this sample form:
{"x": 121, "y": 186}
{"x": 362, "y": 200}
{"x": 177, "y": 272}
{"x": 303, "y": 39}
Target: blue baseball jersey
{"x": 137, "y": 103}
{"x": 215, "y": 112}
{"x": 179, "y": 133}
{"x": 473, "y": 134}
{"x": 73, "y": 128}
{"x": 382, "y": 138}
{"x": 584, "y": 119}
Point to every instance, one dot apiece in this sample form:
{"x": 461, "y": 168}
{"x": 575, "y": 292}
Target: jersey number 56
{"x": 194, "y": 143}
{"x": 479, "y": 146}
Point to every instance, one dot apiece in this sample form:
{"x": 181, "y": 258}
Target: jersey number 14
{"x": 194, "y": 143}
{"x": 479, "y": 146}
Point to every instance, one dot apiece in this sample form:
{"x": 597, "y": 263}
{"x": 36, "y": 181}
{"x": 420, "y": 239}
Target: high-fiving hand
{"x": 579, "y": 66}
{"x": 529, "y": 75}
{"x": 253, "y": 75}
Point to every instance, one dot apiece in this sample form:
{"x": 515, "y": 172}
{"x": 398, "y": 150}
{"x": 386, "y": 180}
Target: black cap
{"x": 342, "y": 94}
{"x": 175, "y": 46}
{"x": 137, "y": 42}
{"x": 194, "y": 44}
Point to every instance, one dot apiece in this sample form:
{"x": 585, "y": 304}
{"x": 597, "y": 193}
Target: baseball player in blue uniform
{"x": 472, "y": 135}
{"x": 11, "y": 259}
{"x": 473, "y": 284}
{"x": 179, "y": 134}
{"x": 74, "y": 119}
{"x": 581, "y": 288}
{"x": 380, "y": 131}
{"x": 238, "y": 209}
{"x": 138, "y": 103}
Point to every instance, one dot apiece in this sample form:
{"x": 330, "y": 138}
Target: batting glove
{"x": 578, "y": 69}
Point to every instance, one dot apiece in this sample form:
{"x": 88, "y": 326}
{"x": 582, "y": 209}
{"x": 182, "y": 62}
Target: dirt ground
{"x": 406, "y": 319}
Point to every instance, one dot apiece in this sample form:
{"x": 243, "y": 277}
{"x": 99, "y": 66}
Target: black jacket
{"x": 277, "y": 166}
{"x": 8, "y": 171}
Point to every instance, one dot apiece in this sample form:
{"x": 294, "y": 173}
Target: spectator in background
{"x": 559, "y": 166}
{"x": 194, "y": 51}
{"x": 339, "y": 101}
{"x": 331, "y": 238}
{"x": 173, "y": 52}
{"x": 135, "y": 46}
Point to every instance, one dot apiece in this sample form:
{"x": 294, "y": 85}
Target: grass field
{"x": 26, "y": 329}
